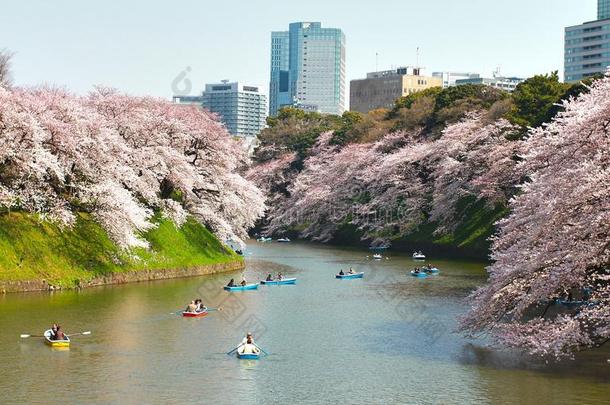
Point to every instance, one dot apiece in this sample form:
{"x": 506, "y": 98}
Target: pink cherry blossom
{"x": 122, "y": 158}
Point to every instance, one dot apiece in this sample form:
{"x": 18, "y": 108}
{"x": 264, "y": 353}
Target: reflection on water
{"x": 387, "y": 338}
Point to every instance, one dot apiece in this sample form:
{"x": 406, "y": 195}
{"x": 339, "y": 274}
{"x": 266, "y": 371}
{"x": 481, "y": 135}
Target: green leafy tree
{"x": 534, "y": 100}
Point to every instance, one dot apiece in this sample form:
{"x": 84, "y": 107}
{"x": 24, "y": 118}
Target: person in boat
{"x": 53, "y": 330}
{"x": 269, "y": 278}
{"x": 59, "y": 334}
{"x": 192, "y": 307}
{"x": 243, "y": 282}
{"x": 351, "y": 271}
{"x": 280, "y": 276}
{"x": 248, "y": 336}
{"x": 416, "y": 270}
{"x": 231, "y": 283}
{"x": 249, "y": 347}
{"x": 199, "y": 305}
{"x": 341, "y": 273}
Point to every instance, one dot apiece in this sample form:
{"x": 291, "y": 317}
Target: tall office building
{"x": 242, "y": 108}
{"x": 587, "y": 46}
{"x": 603, "y": 9}
{"x": 382, "y": 89}
{"x": 308, "y": 69}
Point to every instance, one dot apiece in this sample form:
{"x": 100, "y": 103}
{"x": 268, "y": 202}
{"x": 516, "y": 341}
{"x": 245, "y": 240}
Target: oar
{"x": 261, "y": 349}
{"x": 79, "y": 333}
{"x": 232, "y": 351}
{"x": 23, "y": 336}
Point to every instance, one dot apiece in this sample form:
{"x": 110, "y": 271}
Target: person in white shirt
{"x": 249, "y": 347}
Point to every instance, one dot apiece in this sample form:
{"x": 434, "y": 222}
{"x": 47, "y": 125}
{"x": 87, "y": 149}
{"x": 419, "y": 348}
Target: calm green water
{"x": 384, "y": 339}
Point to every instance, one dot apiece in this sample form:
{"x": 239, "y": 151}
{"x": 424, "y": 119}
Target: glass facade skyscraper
{"x": 603, "y": 9}
{"x": 308, "y": 69}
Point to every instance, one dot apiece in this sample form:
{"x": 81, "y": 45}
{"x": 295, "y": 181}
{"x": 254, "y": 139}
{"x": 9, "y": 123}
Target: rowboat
{"x": 349, "y": 276}
{"x": 283, "y": 240}
{"x": 420, "y": 274}
{"x": 241, "y": 287}
{"x": 280, "y": 282}
{"x": 55, "y": 343}
{"x": 377, "y": 257}
{"x": 568, "y": 303}
{"x": 248, "y": 356}
{"x": 419, "y": 256}
{"x": 263, "y": 239}
{"x": 197, "y": 314}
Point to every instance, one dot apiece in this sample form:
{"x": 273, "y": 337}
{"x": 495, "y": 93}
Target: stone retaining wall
{"x": 126, "y": 277}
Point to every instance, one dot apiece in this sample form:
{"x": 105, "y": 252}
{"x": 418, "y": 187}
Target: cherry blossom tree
{"x": 556, "y": 241}
{"x": 390, "y": 187}
{"x": 122, "y": 158}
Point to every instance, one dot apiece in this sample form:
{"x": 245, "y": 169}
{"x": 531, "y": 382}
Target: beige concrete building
{"x": 382, "y": 89}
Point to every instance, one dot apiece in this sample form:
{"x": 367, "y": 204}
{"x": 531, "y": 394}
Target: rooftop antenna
{"x": 416, "y": 68}
{"x": 376, "y": 61}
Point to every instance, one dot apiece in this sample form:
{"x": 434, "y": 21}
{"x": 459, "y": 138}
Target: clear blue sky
{"x": 141, "y": 46}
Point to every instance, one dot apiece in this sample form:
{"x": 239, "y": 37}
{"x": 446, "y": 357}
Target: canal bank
{"x": 123, "y": 278}
{"x": 37, "y": 255}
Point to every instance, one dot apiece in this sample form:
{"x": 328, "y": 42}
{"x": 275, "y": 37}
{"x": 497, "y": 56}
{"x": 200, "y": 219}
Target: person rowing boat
{"x": 248, "y": 346}
{"x": 192, "y": 307}
{"x": 57, "y": 333}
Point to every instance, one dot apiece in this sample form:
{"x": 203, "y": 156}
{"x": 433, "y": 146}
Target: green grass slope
{"x": 33, "y": 250}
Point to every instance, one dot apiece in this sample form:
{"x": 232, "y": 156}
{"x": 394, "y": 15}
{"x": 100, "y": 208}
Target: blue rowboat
{"x": 248, "y": 356}
{"x": 570, "y": 303}
{"x": 242, "y": 288}
{"x": 350, "y": 276}
{"x": 421, "y": 274}
{"x": 280, "y": 282}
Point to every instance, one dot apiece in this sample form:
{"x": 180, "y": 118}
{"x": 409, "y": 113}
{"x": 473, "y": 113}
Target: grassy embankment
{"x": 35, "y": 250}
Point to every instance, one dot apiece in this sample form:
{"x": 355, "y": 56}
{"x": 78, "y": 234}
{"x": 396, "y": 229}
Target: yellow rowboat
{"x": 55, "y": 343}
